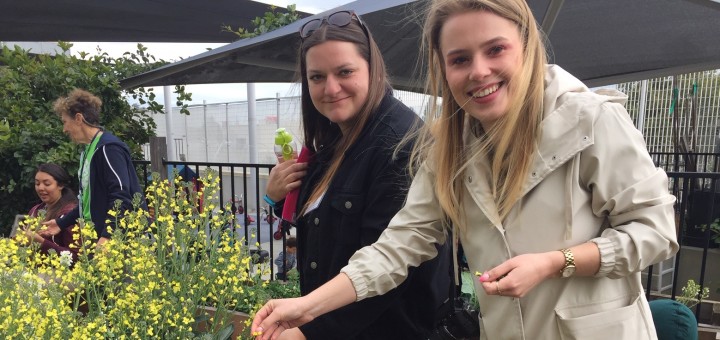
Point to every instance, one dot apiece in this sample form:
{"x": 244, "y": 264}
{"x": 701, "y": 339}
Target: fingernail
{"x": 485, "y": 277}
{"x": 257, "y": 332}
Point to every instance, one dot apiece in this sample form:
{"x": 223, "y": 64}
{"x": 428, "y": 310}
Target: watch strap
{"x": 569, "y": 259}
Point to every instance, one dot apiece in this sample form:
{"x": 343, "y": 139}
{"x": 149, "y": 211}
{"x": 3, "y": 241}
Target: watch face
{"x": 568, "y": 271}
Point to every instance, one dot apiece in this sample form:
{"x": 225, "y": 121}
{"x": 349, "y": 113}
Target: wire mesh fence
{"x": 221, "y": 132}
{"x": 678, "y": 113}
{"x": 675, "y": 114}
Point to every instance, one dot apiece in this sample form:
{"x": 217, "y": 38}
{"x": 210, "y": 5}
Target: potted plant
{"x": 692, "y": 294}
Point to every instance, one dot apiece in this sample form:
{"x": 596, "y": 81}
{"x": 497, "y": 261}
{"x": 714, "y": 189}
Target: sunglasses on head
{"x": 337, "y": 19}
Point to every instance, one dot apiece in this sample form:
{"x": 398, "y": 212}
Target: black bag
{"x": 461, "y": 321}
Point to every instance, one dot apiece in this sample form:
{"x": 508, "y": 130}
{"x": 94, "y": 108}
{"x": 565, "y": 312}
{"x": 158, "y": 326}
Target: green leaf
{"x": 202, "y": 318}
{"x": 226, "y": 332}
{"x": 270, "y": 21}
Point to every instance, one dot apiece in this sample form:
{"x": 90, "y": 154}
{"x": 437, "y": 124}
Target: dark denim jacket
{"x": 368, "y": 189}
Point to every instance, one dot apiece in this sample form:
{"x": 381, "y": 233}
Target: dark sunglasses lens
{"x": 340, "y": 19}
{"x": 310, "y": 27}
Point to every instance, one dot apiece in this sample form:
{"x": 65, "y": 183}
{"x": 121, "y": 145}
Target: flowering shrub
{"x": 146, "y": 282}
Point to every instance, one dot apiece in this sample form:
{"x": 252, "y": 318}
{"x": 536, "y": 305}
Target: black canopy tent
{"x": 271, "y": 57}
{"x": 601, "y": 42}
{"x": 126, "y": 20}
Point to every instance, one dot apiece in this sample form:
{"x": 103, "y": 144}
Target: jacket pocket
{"x": 623, "y": 318}
{"x": 347, "y": 208}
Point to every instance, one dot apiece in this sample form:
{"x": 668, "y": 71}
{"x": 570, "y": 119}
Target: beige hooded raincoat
{"x": 592, "y": 180}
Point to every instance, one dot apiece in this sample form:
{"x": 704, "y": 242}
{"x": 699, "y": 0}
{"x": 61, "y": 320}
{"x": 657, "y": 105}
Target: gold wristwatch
{"x": 569, "y": 267}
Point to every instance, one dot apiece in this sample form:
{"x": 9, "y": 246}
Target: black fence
{"x": 687, "y": 162}
{"x": 696, "y": 209}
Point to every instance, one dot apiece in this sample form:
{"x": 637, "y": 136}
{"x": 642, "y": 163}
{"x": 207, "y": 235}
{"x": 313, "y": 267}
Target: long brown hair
{"x": 511, "y": 142}
{"x": 318, "y": 130}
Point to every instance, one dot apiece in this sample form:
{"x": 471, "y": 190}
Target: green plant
{"x": 272, "y": 20}
{"x": 273, "y": 290}
{"x": 714, "y": 230}
{"x": 693, "y": 293}
{"x": 147, "y": 282}
{"x": 30, "y": 133}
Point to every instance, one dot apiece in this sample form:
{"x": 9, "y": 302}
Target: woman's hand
{"x": 285, "y": 177}
{"x": 52, "y": 228}
{"x": 32, "y": 236}
{"x": 520, "y": 274}
{"x": 278, "y": 316}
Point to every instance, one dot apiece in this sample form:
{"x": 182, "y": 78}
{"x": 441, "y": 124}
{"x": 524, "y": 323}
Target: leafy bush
{"x": 30, "y": 133}
{"x": 271, "y": 21}
{"x": 146, "y": 282}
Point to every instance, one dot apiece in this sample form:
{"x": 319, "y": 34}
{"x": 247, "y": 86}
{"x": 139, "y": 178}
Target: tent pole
{"x": 551, "y": 15}
{"x": 252, "y": 125}
{"x": 169, "y": 141}
{"x": 205, "y": 126}
{"x": 641, "y": 106}
{"x": 227, "y": 132}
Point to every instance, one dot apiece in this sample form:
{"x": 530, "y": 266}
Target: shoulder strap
{"x": 456, "y": 282}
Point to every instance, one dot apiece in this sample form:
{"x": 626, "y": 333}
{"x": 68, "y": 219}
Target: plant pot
{"x": 236, "y": 318}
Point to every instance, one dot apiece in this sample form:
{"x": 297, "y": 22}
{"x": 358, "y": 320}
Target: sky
{"x": 215, "y": 93}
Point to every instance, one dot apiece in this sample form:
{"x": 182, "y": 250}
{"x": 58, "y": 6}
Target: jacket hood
{"x": 108, "y": 138}
{"x": 559, "y": 82}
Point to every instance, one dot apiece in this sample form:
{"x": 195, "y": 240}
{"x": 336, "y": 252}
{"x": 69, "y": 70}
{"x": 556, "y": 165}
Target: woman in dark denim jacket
{"x": 355, "y": 182}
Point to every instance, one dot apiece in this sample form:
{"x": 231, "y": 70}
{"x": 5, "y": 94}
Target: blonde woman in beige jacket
{"x": 547, "y": 185}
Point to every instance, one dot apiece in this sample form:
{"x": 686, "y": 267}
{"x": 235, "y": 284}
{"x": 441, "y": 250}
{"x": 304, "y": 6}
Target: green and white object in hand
{"x": 285, "y": 147}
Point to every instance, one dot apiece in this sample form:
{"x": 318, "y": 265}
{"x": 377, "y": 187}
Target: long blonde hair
{"x": 511, "y": 142}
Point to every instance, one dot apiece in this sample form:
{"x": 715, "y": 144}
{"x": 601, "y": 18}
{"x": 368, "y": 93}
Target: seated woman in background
{"x": 52, "y": 185}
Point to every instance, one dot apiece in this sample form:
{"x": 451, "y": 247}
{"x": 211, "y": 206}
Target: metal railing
{"x": 695, "y": 209}
{"x": 687, "y": 162}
